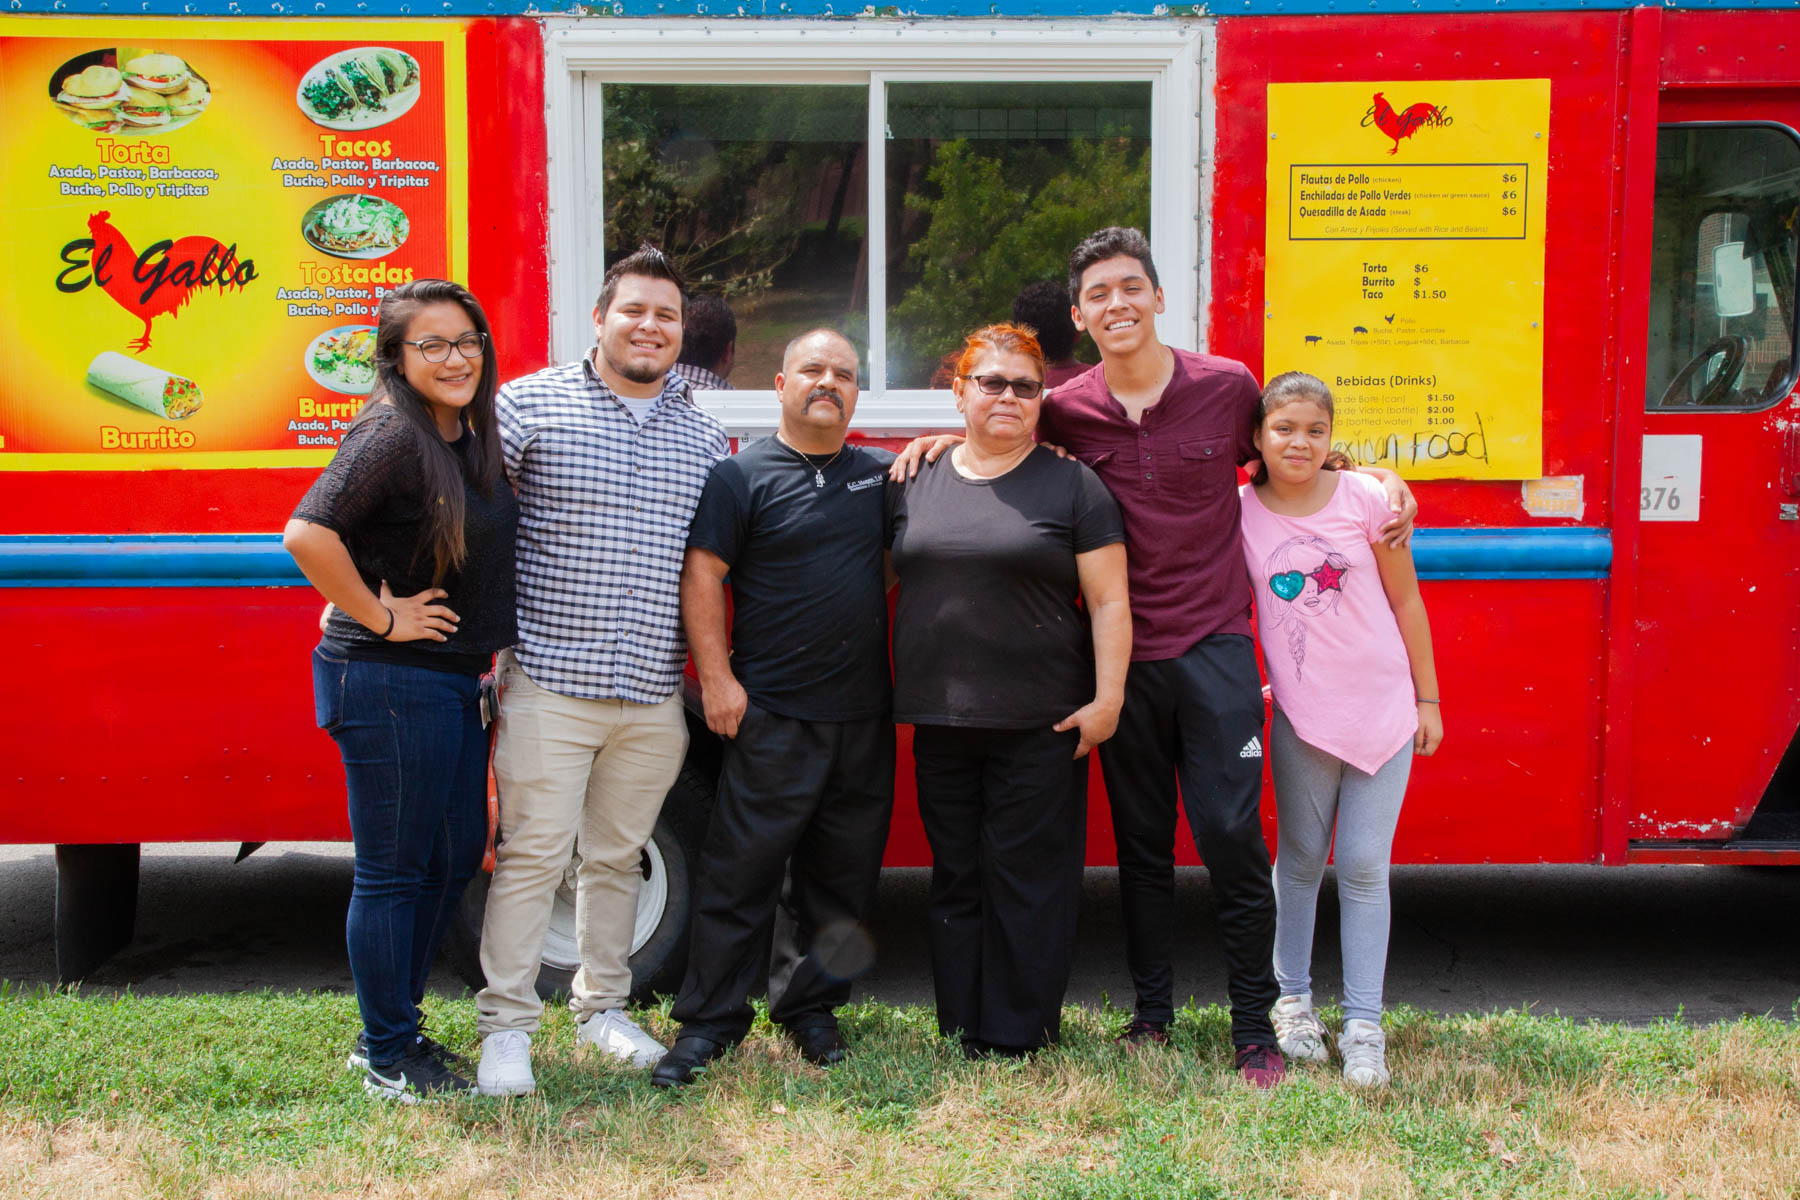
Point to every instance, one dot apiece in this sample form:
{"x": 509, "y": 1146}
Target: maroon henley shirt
{"x": 1175, "y": 478}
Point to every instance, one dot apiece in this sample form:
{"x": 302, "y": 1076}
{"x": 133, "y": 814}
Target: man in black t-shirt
{"x": 800, "y": 691}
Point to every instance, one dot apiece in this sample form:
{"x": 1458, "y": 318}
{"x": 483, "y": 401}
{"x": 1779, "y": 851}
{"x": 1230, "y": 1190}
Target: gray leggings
{"x": 1316, "y": 792}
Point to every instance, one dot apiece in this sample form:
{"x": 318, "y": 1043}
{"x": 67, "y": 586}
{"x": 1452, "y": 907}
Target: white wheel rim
{"x": 561, "y": 948}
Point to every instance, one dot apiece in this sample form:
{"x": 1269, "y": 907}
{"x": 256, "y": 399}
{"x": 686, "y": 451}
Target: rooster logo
{"x": 1402, "y": 124}
{"x": 159, "y": 281}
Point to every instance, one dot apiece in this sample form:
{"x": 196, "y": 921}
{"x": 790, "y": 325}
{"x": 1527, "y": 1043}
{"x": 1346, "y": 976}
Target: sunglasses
{"x": 993, "y": 385}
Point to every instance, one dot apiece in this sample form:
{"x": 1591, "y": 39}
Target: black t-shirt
{"x": 369, "y": 495}
{"x": 809, "y": 621}
{"x": 987, "y": 632}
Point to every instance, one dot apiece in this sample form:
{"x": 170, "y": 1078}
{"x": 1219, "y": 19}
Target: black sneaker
{"x": 1144, "y": 1033}
{"x": 359, "y": 1054}
{"x": 418, "y": 1076}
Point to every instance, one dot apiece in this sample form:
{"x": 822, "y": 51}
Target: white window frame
{"x": 1171, "y": 55}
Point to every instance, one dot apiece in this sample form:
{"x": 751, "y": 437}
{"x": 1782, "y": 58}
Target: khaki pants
{"x": 586, "y": 776}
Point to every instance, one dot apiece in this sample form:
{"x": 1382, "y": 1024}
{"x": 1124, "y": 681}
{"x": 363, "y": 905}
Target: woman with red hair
{"x": 999, "y": 546}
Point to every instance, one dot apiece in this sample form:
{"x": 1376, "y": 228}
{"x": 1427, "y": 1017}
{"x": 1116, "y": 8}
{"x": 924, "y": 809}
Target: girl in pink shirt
{"x": 1348, "y": 652}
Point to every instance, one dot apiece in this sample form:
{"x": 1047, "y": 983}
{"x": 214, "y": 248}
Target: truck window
{"x": 761, "y": 193}
{"x": 1722, "y": 288}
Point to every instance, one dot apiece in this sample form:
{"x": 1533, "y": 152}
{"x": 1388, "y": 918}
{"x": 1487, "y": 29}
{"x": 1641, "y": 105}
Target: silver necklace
{"x": 818, "y": 468}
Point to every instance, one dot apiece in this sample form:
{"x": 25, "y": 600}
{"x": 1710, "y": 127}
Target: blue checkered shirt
{"x": 604, "y": 505}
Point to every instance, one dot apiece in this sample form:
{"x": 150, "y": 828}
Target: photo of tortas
{"x": 124, "y": 90}
{"x": 360, "y": 88}
{"x": 355, "y": 226}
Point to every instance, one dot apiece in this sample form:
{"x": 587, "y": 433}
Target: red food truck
{"x": 1545, "y": 254}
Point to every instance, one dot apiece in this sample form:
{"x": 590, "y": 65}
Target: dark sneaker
{"x": 359, "y": 1054}
{"x": 820, "y": 1045}
{"x": 1144, "y": 1033}
{"x": 418, "y": 1076}
{"x": 686, "y": 1060}
{"x": 1261, "y": 1066}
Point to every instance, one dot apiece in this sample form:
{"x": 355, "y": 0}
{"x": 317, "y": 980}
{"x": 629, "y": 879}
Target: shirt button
{"x": 1146, "y": 474}
{"x": 1146, "y": 433}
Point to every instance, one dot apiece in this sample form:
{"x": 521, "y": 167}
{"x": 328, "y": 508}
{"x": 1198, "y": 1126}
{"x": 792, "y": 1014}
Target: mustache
{"x": 820, "y": 393}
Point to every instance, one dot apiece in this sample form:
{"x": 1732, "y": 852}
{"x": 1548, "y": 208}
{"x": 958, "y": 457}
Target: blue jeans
{"x": 415, "y": 766}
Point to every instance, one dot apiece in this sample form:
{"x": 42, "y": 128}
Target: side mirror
{"x": 1734, "y": 281}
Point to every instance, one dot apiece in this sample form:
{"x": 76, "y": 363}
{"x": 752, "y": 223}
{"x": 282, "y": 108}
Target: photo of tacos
{"x": 360, "y": 88}
{"x": 168, "y": 395}
{"x": 343, "y": 359}
{"x": 355, "y": 226}
{"x": 136, "y": 92}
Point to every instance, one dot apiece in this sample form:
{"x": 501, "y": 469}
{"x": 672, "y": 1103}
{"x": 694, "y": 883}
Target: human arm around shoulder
{"x": 360, "y": 476}
{"x": 1397, "y": 533}
{"x": 703, "y": 616}
{"x": 924, "y": 448}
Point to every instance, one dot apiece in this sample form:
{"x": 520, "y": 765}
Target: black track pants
{"x": 821, "y": 794}
{"x": 1199, "y": 719}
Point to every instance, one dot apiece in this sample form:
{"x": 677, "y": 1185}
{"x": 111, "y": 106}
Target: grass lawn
{"x": 247, "y": 1096}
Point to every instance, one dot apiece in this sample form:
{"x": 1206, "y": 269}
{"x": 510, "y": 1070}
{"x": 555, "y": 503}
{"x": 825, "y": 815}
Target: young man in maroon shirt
{"x": 1166, "y": 430}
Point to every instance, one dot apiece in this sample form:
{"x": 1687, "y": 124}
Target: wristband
{"x": 390, "y": 628}
{"x": 1423, "y": 700}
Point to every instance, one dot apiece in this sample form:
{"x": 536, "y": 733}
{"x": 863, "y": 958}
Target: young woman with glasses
{"x": 998, "y": 545}
{"x": 408, "y": 533}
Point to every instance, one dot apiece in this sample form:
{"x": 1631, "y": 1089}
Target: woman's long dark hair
{"x": 442, "y": 494}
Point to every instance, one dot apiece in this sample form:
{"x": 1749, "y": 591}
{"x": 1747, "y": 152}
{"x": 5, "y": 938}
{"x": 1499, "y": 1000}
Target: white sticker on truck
{"x": 1671, "y": 488}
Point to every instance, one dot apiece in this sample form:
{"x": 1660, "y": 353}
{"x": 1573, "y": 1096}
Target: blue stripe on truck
{"x": 173, "y": 560}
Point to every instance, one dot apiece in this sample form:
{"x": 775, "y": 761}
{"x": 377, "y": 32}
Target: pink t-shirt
{"x": 1336, "y": 663}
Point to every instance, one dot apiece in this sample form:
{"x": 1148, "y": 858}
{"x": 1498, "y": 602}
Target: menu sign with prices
{"x": 1406, "y": 267}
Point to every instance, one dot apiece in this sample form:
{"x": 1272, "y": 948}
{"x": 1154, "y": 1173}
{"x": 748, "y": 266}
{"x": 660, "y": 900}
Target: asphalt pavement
{"x": 1635, "y": 944}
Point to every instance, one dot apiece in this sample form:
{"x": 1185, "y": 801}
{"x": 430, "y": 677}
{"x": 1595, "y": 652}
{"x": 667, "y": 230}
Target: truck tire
{"x": 660, "y": 939}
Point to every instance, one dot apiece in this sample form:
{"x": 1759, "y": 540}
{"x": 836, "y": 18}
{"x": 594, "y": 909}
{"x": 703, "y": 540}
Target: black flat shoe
{"x": 686, "y": 1060}
{"x": 820, "y": 1045}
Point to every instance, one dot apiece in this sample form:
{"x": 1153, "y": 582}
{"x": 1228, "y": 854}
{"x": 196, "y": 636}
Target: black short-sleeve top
{"x": 988, "y": 631}
{"x": 370, "y": 496}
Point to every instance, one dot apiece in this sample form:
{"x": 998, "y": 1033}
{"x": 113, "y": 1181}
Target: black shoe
{"x": 820, "y": 1045}
{"x": 359, "y": 1054}
{"x": 418, "y": 1076}
{"x": 686, "y": 1060}
{"x": 1144, "y": 1033}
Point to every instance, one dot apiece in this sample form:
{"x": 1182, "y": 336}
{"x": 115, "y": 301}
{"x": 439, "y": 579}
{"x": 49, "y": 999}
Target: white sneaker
{"x": 505, "y": 1068}
{"x": 614, "y": 1033}
{"x": 1364, "y": 1048}
{"x": 1301, "y": 1034}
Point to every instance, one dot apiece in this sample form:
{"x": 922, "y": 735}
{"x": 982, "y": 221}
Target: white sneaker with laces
{"x": 1298, "y": 1029}
{"x": 614, "y": 1033}
{"x": 1364, "y": 1048}
{"x": 505, "y": 1068}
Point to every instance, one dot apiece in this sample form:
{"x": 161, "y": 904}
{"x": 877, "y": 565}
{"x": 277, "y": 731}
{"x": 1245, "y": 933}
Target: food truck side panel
{"x": 182, "y": 710}
{"x": 1520, "y": 660}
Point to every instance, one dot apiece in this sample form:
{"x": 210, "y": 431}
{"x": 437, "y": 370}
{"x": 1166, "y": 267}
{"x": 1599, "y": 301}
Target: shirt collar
{"x": 675, "y": 389}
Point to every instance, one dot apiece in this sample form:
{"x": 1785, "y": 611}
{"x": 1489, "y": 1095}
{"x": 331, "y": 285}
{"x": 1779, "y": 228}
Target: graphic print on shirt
{"x": 1305, "y": 575}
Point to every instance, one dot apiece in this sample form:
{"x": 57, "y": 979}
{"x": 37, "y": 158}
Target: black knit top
{"x": 369, "y": 495}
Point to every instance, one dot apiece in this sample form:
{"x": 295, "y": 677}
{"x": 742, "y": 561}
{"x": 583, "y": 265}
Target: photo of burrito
{"x": 360, "y": 88}
{"x": 164, "y": 393}
{"x": 355, "y": 226}
{"x": 136, "y": 92}
{"x": 343, "y": 359}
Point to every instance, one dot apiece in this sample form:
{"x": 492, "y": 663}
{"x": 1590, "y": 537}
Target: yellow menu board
{"x": 1405, "y": 268}
{"x": 202, "y": 219}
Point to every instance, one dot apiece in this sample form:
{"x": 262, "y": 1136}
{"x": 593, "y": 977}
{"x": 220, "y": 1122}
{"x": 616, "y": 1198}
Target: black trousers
{"x": 811, "y": 799}
{"x": 1006, "y": 813}
{"x": 1199, "y": 719}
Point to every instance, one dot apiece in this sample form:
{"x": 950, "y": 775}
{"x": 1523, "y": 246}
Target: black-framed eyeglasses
{"x": 993, "y": 385}
{"x": 437, "y": 350}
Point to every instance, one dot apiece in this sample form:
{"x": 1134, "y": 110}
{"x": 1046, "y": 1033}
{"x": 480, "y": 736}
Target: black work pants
{"x": 1005, "y": 811}
{"x": 818, "y": 793}
{"x": 1197, "y": 719}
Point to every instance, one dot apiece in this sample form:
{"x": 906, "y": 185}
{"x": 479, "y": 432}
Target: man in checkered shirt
{"x": 608, "y": 456}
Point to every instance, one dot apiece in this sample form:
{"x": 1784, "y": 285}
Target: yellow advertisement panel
{"x": 1405, "y": 268}
{"x": 202, "y": 218}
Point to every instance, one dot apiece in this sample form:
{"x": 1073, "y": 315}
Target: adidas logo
{"x": 1252, "y": 749}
